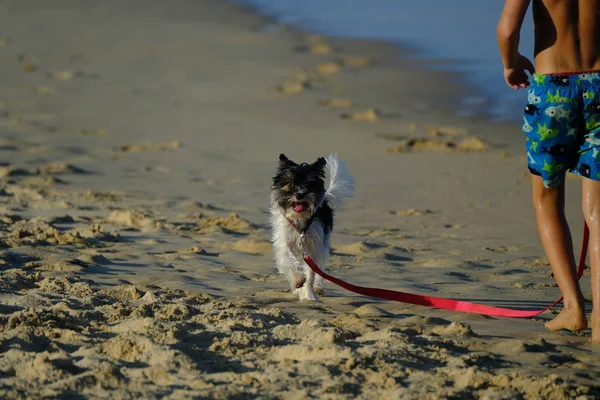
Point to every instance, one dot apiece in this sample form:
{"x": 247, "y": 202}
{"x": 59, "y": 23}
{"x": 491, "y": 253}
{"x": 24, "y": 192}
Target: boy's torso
{"x": 567, "y": 35}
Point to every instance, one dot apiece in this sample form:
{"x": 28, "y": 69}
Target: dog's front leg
{"x": 288, "y": 265}
{"x": 307, "y": 292}
{"x": 320, "y": 254}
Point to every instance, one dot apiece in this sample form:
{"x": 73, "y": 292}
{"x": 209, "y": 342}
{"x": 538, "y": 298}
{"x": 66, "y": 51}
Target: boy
{"x": 561, "y": 123}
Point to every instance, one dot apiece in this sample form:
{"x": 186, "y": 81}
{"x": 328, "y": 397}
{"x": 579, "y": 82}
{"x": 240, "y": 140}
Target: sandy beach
{"x": 137, "y": 144}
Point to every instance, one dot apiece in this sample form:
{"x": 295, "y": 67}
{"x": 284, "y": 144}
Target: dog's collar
{"x": 301, "y": 231}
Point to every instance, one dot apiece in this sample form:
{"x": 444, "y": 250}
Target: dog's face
{"x": 298, "y": 188}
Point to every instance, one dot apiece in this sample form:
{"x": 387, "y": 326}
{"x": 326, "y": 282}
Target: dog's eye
{"x": 286, "y": 188}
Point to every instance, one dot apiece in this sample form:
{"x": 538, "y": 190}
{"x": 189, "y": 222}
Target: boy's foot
{"x": 571, "y": 319}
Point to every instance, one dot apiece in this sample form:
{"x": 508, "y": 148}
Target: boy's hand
{"x": 516, "y": 77}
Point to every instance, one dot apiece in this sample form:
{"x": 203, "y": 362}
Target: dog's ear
{"x": 320, "y": 163}
{"x": 285, "y": 162}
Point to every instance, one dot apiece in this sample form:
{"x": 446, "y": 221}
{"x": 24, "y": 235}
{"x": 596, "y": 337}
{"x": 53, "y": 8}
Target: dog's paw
{"x": 307, "y": 293}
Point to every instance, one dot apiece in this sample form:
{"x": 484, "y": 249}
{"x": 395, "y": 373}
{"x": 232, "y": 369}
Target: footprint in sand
{"x": 311, "y": 332}
{"x": 372, "y": 311}
{"x": 521, "y": 285}
{"x": 83, "y": 131}
{"x": 137, "y": 220}
{"x": 328, "y": 68}
{"x": 304, "y": 75}
{"x": 109, "y": 196}
{"x": 37, "y": 149}
{"x": 456, "y": 329}
{"x": 321, "y": 48}
{"x": 7, "y": 145}
{"x": 453, "y": 226}
{"x": 500, "y": 249}
{"x": 355, "y": 62}
{"x": 294, "y": 87}
{"x": 182, "y": 253}
{"x": 198, "y": 205}
{"x": 336, "y": 103}
{"x": 157, "y": 169}
{"x": 442, "y": 139}
{"x": 73, "y": 265}
{"x": 352, "y": 321}
{"x": 411, "y": 212}
{"x": 450, "y": 263}
{"x": 250, "y": 246}
{"x": 28, "y": 63}
{"x": 61, "y": 75}
{"x": 389, "y": 232}
{"x": 96, "y": 132}
{"x": 48, "y": 169}
{"x": 28, "y": 67}
{"x": 147, "y": 147}
{"x": 423, "y": 321}
{"x": 95, "y": 258}
{"x": 520, "y": 346}
{"x": 306, "y": 79}
{"x": 215, "y": 182}
{"x": 536, "y": 263}
{"x": 43, "y": 90}
{"x": 68, "y": 75}
{"x": 12, "y": 259}
{"x": 361, "y": 248}
{"x": 368, "y": 249}
{"x": 466, "y": 145}
{"x": 233, "y": 224}
{"x": 316, "y": 48}
{"x": 60, "y": 168}
{"x": 35, "y": 231}
{"x": 41, "y": 181}
{"x": 435, "y": 130}
{"x": 370, "y": 115}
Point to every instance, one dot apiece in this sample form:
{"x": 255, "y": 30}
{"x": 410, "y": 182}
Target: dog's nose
{"x": 300, "y": 195}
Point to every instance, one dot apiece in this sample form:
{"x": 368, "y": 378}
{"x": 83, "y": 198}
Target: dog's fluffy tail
{"x": 341, "y": 183}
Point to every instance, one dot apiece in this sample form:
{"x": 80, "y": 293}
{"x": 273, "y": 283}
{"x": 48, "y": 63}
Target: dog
{"x": 302, "y": 212}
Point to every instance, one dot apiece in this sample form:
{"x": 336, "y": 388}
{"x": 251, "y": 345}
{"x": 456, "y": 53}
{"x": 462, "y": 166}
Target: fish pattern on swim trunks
{"x": 562, "y": 124}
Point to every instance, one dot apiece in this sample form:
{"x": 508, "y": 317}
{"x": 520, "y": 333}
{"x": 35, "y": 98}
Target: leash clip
{"x": 303, "y": 242}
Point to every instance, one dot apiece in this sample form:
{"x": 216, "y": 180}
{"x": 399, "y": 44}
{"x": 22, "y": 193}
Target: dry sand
{"x": 137, "y": 142}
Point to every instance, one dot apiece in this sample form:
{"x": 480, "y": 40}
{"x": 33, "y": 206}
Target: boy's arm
{"x": 509, "y": 30}
{"x": 508, "y": 35}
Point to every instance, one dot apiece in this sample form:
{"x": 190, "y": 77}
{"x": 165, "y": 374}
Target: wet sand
{"x": 137, "y": 147}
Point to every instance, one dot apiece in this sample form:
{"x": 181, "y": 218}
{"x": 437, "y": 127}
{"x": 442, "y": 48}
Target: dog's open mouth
{"x": 300, "y": 206}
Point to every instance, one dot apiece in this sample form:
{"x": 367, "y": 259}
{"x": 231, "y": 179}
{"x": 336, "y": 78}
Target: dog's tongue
{"x": 299, "y": 207}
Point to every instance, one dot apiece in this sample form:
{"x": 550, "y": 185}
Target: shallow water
{"x": 459, "y": 33}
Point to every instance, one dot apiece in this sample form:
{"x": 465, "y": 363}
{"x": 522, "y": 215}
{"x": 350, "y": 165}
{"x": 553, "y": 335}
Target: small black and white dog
{"x": 300, "y": 205}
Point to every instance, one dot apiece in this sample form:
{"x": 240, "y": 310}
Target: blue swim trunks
{"x": 562, "y": 124}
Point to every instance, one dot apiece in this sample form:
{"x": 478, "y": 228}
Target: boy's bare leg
{"x": 591, "y": 212}
{"x": 556, "y": 238}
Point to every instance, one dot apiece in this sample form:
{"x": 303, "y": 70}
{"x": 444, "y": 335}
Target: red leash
{"x": 446, "y": 304}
